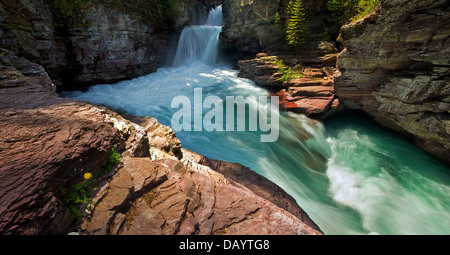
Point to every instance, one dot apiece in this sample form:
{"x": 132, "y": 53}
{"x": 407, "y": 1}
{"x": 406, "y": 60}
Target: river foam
{"x": 349, "y": 175}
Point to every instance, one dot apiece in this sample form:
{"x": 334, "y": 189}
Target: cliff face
{"x": 250, "y": 25}
{"x": 102, "y": 41}
{"x": 395, "y": 67}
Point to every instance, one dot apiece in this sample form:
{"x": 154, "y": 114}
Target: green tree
{"x": 296, "y": 31}
{"x": 335, "y": 7}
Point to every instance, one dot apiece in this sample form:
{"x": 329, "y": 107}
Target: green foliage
{"x": 350, "y": 10}
{"x": 67, "y": 7}
{"x": 287, "y": 72}
{"x": 78, "y": 195}
{"x": 296, "y": 31}
{"x": 286, "y": 75}
{"x": 278, "y": 19}
{"x": 334, "y": 6}
{"x": 113, "y": 160}
{"x": 364, "y": 7}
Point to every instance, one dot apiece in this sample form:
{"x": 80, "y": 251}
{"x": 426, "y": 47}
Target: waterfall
{"x": 200, "y": 43}
{"x": 352, "y": 178}
{"x": 215, "y": 17}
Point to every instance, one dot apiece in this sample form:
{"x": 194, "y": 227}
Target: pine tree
{"x": 296, "y": 32}
{"x": 335, "y": 7}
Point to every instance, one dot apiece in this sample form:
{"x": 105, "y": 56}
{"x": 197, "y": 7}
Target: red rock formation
{"x": 193, "y": 196}
{"x": 313, "y": 93}
{"x": 48, "y": 142}
{"x": 177, "y": 191}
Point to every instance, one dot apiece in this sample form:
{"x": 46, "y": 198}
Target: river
{"x": 350, "y": 175}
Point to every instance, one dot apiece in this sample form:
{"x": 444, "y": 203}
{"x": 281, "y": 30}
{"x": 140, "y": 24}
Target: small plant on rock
{"x": 287, "y": 72}
{"x": 78, "y": 195}
{"x": 113, "y": 160}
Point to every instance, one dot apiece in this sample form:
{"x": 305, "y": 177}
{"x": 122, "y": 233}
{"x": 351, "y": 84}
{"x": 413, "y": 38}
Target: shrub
{"x": 364, "y": 7}
{"x": 278, "y": 20}
{"x": 170, "y": 9}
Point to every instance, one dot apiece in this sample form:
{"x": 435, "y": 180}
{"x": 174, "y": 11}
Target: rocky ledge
{"x": 190, "y": 194}
{"x": 303, "y": 79}
{"x": 48, "y": 143}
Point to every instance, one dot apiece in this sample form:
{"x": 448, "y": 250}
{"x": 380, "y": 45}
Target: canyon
{"x": 392, "y": 64}
{"x": 395, "y": 67}
{"x": 56, "y": 141}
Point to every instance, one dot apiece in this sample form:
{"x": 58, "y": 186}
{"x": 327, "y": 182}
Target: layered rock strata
{"x": 310, "y": 91}
{"x": 176, "y": 191}
{"x": 395, "y": 66}
{"x": 48, "y": 143}
{"x": 250, "y": 26}
{"x": 101, "y": 41}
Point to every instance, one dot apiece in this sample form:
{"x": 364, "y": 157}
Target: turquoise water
{"x": 394, "y": 186}
{"x": 349, "y": 175}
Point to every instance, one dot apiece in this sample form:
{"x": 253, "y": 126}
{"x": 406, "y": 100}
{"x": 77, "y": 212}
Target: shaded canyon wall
{"x": 395, "y": 66}
{"x": 102, "y": 41}
{"x": 250, "y": 25}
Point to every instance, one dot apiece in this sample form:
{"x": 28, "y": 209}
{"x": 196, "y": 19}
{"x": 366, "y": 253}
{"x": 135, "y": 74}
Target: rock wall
{"x": 395, "y": 66}
{"x": 103, "y": 41}
{"x": 250, "y": 25}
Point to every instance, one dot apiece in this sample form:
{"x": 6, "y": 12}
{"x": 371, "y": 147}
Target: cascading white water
{"x": 353, "y": 178}
{"x": 215, "y": 17}
{"x": 200, "y": 43}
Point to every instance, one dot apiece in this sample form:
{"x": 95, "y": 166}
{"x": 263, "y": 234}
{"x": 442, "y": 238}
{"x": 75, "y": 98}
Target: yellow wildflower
{"x": 87, "y": 176}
